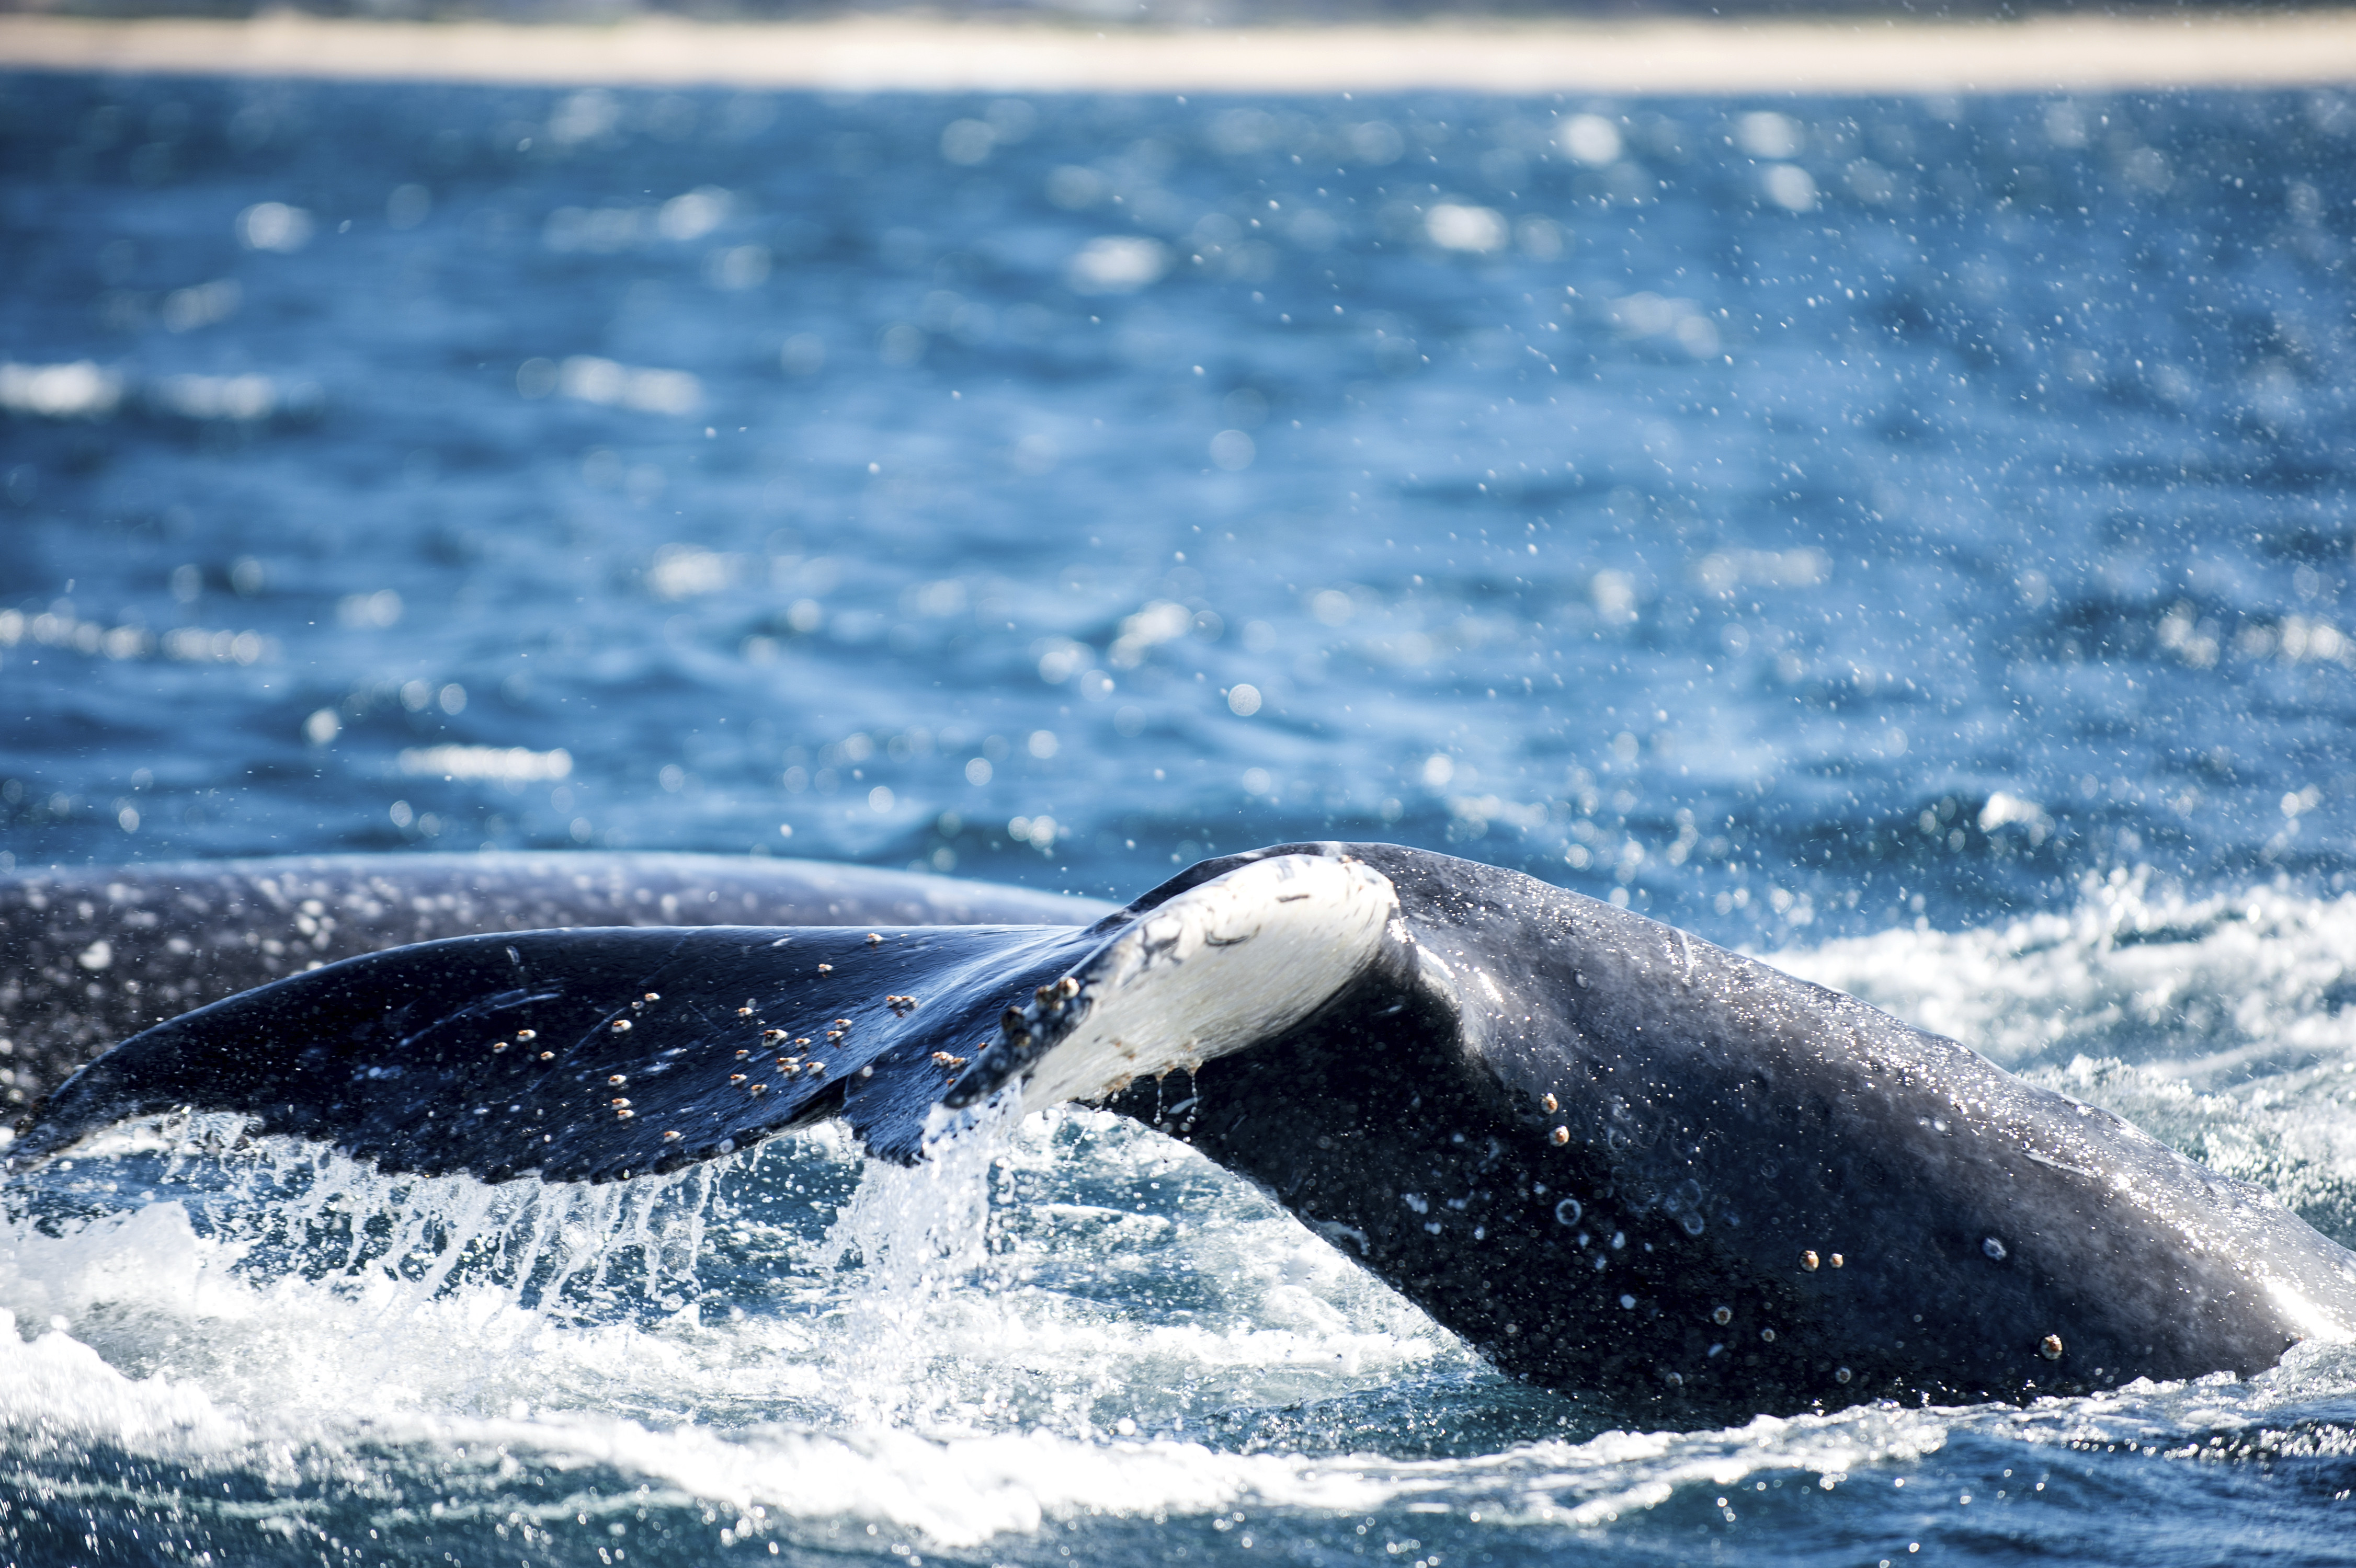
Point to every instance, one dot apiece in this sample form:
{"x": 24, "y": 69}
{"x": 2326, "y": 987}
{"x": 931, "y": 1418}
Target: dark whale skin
{"x": 90, "y": 956}
{"x": 1725, "y": 1120}
{"x": 510, "y": 1055}
{"x": 1643, "y": 1243}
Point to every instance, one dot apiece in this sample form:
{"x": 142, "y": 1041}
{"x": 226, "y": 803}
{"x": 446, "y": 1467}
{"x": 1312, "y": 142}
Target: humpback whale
{"x": 1623, "y": 1163}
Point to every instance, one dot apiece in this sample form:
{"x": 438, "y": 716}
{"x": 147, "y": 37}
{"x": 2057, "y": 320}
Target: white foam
{"x": 56, "y": 1391}
{"x": 956, "y": 1492}
{"x": 2205, "y": 988}
{"x": 937, "y": 1383}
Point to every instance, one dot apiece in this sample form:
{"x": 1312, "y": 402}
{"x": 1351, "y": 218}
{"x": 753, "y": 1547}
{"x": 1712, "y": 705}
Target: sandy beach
{"x": 879, "y": 54}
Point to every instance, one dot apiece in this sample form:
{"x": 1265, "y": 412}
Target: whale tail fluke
{"x": 1200, "y": 968}
{"x": 595, "y": 1055}
{"x": 581, "y": 1055}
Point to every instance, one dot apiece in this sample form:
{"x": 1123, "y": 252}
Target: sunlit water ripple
{"x": 1907, "y": 538}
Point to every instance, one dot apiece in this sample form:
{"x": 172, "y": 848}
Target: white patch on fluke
{"x": 1240, "y": 958}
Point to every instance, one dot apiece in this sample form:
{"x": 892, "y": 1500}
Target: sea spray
{"x": 191, "y": 1196}
{"x": 917, "y": 1233}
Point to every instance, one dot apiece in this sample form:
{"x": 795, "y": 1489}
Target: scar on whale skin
{"x": 1431, "y": 1059}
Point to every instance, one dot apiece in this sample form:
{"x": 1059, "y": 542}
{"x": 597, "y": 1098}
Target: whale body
{"x": 1619, "y": 1161}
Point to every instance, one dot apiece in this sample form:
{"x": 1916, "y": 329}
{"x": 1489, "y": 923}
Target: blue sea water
{"x": 1905, "y": 536}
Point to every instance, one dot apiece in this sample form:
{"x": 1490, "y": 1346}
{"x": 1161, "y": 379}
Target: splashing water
{"x": 921, "y": 1235}
{"x": 795, "y": 1332}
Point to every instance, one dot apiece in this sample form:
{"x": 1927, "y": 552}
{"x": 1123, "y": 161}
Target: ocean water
{"x": 1904, "y": 537}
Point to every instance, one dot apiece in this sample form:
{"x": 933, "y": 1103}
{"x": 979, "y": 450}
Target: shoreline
{"x": 871, "y": 54}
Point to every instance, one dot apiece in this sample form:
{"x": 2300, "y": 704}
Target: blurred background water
{"x": 1769, "y": 513}
{"x": 1906, "y": 536}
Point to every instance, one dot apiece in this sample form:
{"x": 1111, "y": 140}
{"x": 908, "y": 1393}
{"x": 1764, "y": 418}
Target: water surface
{"x": 1907, "y": 537}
